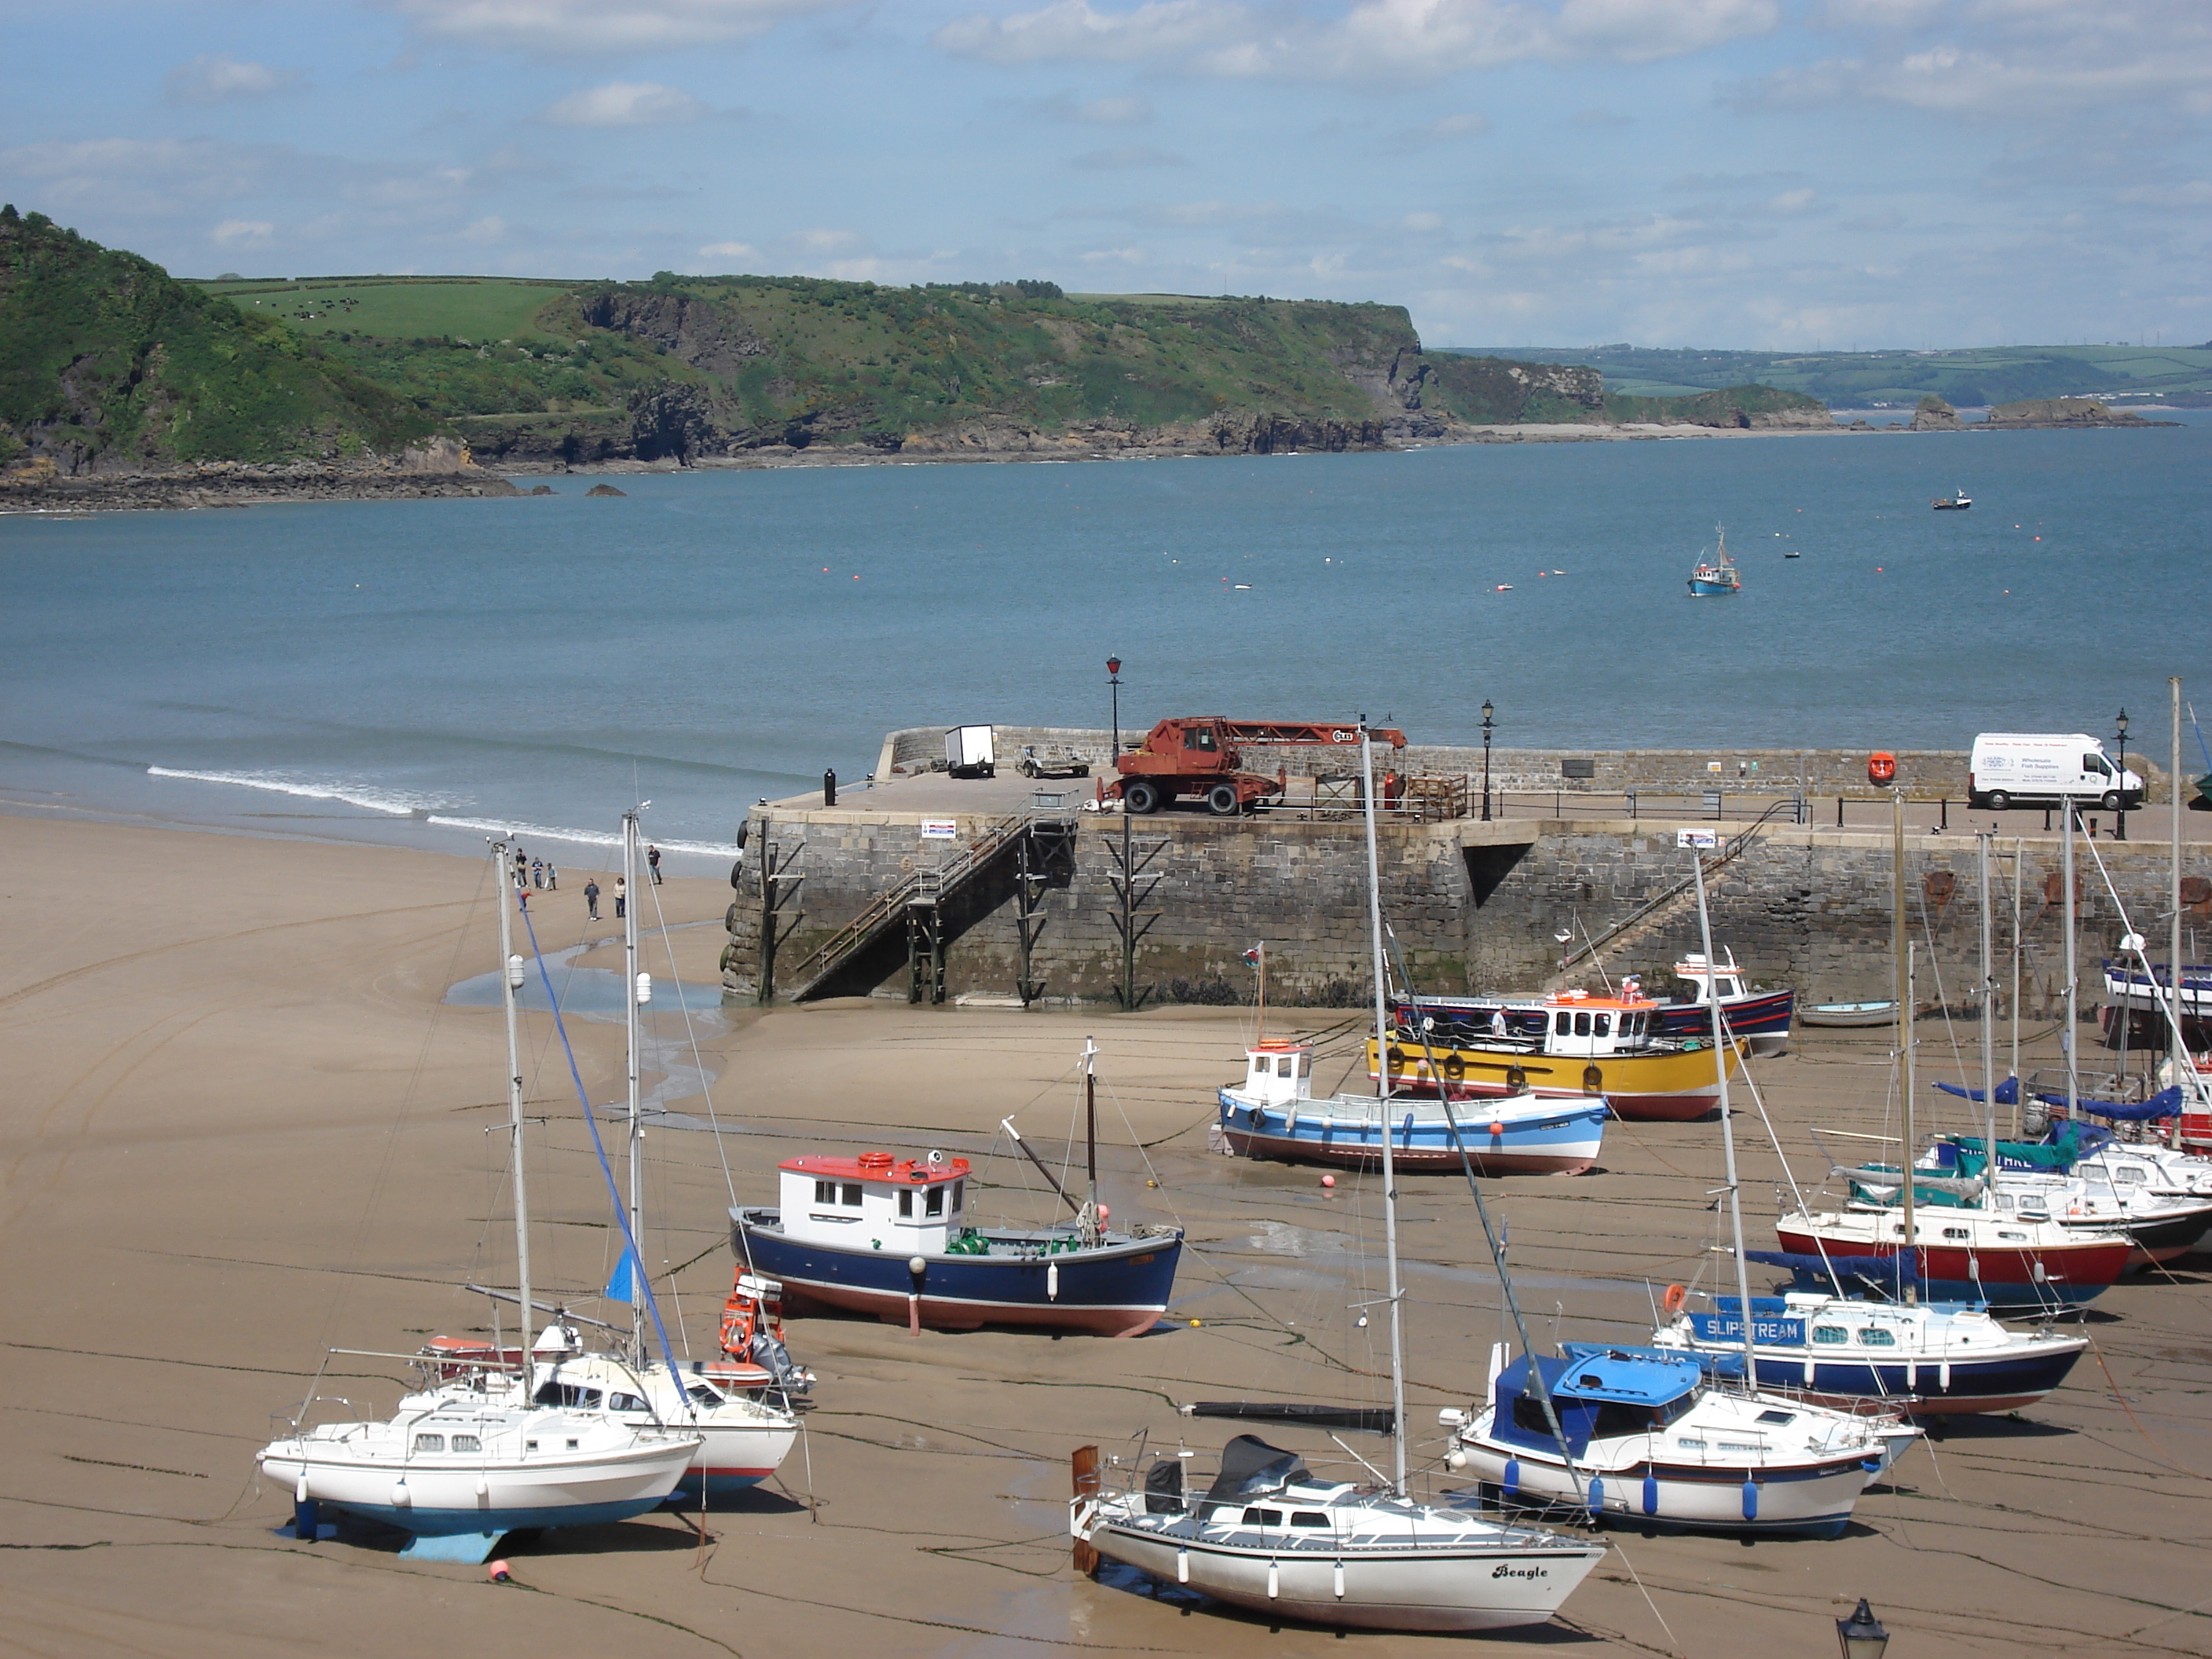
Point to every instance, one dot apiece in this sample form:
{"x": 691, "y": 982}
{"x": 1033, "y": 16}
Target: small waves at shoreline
{"x": 396, "y": 802}
{"x": 400, "y": 804}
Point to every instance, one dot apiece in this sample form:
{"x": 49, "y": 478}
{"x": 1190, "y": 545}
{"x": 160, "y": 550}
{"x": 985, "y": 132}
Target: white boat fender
{"x": 1183, "y": 1566}
{"x": 1340, "y": 1581}
{"x": 1274, "y": 1581}
{"x": 483, "y": 1487}
{"x": 1052, "y": 1281}
{"x": 300, "y": 1487}
{"x": 401, "y": 1497}
{"x": 1943, "y": 1376}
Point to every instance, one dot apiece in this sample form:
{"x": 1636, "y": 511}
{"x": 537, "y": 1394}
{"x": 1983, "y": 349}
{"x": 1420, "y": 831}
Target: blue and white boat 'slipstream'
{"x": 1273, "y": 1114}
{"x": 1926, "y": 1359}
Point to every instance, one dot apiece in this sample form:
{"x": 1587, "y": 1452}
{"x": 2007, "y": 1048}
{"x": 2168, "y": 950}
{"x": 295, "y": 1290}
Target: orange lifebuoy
{"x": 1881, "y": 767}
{"x": 1677, "y": 1297}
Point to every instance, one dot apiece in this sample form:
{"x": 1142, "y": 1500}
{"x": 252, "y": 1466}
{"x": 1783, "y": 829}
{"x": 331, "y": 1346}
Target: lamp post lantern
{"x": 1114, "y": 679}
{"x": 2120, "y": 832}
{"x": 1487, "y": 725}
{"x": 1861, "y": 1635}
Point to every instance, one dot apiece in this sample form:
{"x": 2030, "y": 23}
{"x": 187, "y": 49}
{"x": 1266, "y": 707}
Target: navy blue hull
{"x": 1118, "y": 1288}
{"x": 1986, "y": 1385}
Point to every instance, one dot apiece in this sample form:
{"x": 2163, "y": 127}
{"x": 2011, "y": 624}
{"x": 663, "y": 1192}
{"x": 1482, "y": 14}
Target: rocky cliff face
{"x": 1933, "y": 415}
{"x": 1498, "y": 392}
{"x": 2064, "y": 412}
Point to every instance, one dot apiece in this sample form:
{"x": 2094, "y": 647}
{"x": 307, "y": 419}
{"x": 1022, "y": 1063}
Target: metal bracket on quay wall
{"x": 777, "y": 890}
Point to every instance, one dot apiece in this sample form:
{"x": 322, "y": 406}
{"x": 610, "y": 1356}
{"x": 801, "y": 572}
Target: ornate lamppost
{"x": 1487, "y": 711}
{"x": 1114, "y": 679}
{"x": 1861, "y": 1635}
{"x": 2120, "y": 833}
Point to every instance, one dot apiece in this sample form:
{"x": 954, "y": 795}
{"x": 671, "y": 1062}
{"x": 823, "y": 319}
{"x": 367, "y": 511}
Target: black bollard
{"x": 829, "y": 788}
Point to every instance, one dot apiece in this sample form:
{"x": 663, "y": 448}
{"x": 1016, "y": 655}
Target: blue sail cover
{"x": 2166, "y": 1103}
{"x": 2007, "y": 1093}
{"x": 1884, "y": 1272}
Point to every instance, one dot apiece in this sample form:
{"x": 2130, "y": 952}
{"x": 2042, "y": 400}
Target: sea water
{"x": 432, "y": 671}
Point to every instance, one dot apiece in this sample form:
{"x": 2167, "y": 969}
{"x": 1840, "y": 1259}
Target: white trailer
{"x": 971, "y": 751}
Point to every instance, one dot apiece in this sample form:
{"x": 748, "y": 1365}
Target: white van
{"x": 2044, "y": 769}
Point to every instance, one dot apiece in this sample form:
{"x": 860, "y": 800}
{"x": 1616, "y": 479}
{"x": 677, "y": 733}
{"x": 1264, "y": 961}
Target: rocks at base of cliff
{"x": 2047, "y": 412}
{"x": 232, "y": 484}
{"x": 1933, "y": 415}
{"x": 605, "y": 490}
{"x": 542, "y": 489}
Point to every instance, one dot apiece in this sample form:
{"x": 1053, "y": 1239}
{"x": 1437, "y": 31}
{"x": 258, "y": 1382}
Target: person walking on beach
{"x": 592, "y": 899}
{"x": 622, "y": 899}
{"x": 652, "y": 859}
{"x": 552, "y": 878}
{"x": 536, "y": 874}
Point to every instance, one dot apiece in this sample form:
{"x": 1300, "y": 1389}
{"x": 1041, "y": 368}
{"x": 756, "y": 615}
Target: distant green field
{"x": 474, "y": 308}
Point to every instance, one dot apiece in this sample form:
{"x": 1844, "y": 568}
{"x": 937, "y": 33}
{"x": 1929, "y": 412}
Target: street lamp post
{"x": 1487, "y": 711}
{"x": 2120, "y": 832}
{"x": 1114, "y": 679}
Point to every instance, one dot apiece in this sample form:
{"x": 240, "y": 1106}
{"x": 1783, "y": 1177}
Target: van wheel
{"x": 1142, "y": 796}
{"x": 2111, "y": 803}
{"x": 1998, "y": 801}
{"x": 1221, "y": 801}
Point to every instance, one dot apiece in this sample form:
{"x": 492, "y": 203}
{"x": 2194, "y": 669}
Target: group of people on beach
{"x": 539, "y": 875}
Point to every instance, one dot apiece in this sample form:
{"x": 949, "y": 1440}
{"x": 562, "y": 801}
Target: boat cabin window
{"x": 625, "y": 1402}
{"x": 959, "y": 1195}
{"x": 906, "y": 1204}
{"x": 1831, "y": 1334}
{"x": 573, "y": 1395}
{"x": 1582, "y": 1025}
{"x": 2130, "y": 1175}
{"x": 1954, "y": 1232}
{"x": 1874, "y": 1337}
{"x": 705, "y": 1395}
{"x": 1257, "y": 1518}
{"x": 851, "y": 1195}
{"x": 467, "y": 1443}
{"x": 429, "y": 1443}
{"x": 1286, "y": 1067}
{"x": 1308, "y": 1518}
{"x": 1603, "y": 1025}
{"x": 1562, "y": 1024}
{"x": 933, "y": 1203}
{"x": 827, "y": 1192}
{"x": 1777, "y": 1419}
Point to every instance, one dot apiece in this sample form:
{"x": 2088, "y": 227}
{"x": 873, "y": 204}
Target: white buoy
{"x": 514, "y": 971}
{"x": 644, "y": 989}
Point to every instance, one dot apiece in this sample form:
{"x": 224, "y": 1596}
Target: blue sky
{"x": 1782, "y": 174}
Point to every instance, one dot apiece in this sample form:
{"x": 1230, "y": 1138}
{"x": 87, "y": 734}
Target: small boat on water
{"x": 1273, "y": 1114}
{"x": 1716, "y": 573}
{"x": 1958, "y": 503}
{"x": 875, "y": 1234}
{"x": 1883, "y": 1013}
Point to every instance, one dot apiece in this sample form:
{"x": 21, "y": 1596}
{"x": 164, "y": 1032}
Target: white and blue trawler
{"x": 892, "y": 1237}
{"x": 1928, "y": 1359}
{"x": 1273, "y": 1114}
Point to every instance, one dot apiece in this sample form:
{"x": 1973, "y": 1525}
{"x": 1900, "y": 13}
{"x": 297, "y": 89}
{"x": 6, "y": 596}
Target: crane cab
{"x": 908, "y": 1207}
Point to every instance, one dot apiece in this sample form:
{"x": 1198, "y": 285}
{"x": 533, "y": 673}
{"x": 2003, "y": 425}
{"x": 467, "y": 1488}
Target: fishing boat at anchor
{"x": 1273, "y": 1114}
{"x": 876, "y": 1234}
{"x": 1572, "y": 1046}
{"x": 1761, "y": 1017}
{"x": 1958, "y": 503}
{"x": 1716, "y": 573}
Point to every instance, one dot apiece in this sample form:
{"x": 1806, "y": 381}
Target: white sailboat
{"x": 462, "y": 1462}
{"x": 1268, "y": 1535}
{"x": 1656, "y": 1435}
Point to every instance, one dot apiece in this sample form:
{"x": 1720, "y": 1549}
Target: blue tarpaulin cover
{"x": 2165, "y": 1103}
{"x": 2007, "y": 1093}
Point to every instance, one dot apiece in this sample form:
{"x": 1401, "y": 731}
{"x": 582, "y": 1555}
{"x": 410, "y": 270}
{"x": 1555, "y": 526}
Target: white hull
{"x": 1711, "y": 1498}
{"x": 1429, "y": 1587}
{"x": 454, "y": 1493}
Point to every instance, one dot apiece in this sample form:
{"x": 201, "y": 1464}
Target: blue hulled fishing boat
{"x": 1715, "y": 572}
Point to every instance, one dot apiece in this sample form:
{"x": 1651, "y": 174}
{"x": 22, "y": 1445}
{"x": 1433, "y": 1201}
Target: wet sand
{"x": 241, "y": 1129}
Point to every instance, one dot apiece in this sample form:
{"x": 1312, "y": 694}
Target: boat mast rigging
{"x": 1396, "y": 1295}
{"x": 510, "y": 981}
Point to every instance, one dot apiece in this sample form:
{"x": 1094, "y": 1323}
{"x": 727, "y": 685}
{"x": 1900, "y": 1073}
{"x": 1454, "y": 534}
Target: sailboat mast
{"x": 2019, "y": 876}
{"x": 1911, "y": 1291}
{"x": 2178, "y": 1049}
{"x": 2073, "y": 1027}
{"x": 1382, "y": 1114}
{"x": 1091, "y": 1129}
{"x": 1988, "y": 1034}
{"x": 510, "y": 978}
{"x": 1727, "y": 1123}
{"x": 636, "y": 1117}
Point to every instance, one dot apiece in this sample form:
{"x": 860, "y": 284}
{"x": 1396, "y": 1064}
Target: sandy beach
{"x": 243, "y": 1127}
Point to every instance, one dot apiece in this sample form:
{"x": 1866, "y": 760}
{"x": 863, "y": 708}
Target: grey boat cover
{"x": 1249, "y": 1467}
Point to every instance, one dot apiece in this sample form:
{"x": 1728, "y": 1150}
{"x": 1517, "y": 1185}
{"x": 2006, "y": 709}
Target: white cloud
{"x": 483, "y": 232}
{"x": 213, "y": 77}
{"x": 563, "y": 27}
{"x": 1374, "y": 40}
{"x": 241, "y": 232}
{"x": 143, "y": 174}
{"x": 1114, "y": 256}
{"x": 1125, "y": 157}
{"x": 823, "y": 242}
{"x": 625, "y": 104}
{"x": 729, "y": 251}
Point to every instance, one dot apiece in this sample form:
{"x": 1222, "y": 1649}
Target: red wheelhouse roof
{"x": 877, "y": 1167}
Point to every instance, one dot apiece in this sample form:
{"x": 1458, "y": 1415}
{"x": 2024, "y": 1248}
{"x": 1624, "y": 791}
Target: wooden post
{"x": 1084, "y": 1465}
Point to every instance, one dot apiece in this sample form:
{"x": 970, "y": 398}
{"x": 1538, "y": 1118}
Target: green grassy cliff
{"x": 107, "y": 364}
